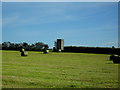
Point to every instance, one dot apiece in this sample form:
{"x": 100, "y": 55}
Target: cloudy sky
{"x": 78, "y": 23}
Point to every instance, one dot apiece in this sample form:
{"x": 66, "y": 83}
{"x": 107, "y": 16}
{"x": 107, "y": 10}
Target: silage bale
{"x": 23, "y": 50}
{"x": 24, "y": 53}
{"x": 112, "y": 57}
{"x": 116, "y": 59}
{"x": 59, "y": 50}
{"x": 46, "y": 51}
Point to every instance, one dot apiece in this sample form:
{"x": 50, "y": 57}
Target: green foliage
{"x": 38, "y": 46}
{"x": 58, "y": 70}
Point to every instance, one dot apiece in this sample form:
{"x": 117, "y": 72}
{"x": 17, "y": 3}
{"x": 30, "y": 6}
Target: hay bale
{"x": 46, "y": 51}
{"x": 112, "y": 57}
{"x": 24, "y": 53}
{"x": 116, "y": 59}
{"x": 59, "y": 50}
{"x": 22, "y": 50}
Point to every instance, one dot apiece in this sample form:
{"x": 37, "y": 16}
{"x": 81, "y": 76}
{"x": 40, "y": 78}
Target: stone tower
{"x": 60, "y": 44}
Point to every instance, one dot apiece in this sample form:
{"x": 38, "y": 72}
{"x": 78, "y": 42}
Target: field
{"x": 58, "y": 70}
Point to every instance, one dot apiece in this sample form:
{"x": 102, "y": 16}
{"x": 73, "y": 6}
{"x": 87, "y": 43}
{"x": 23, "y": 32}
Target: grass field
{"x": 58, "y": 70}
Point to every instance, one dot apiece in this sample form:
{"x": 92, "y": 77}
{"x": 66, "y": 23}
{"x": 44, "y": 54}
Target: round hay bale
{"x": 116, "y": 59}
{"x": 59, "y": 50}
{"x": 46, "y": 51}
{"x": 22, "y": 50}
{"x": 112, "y": 57}
{"x": 24, "y": 53}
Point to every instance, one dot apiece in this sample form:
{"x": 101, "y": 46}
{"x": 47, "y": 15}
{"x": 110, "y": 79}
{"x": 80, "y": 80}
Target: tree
{"x": 39, "y": 45}
{"x": 6, "y": 45}
{"x": 46, "y": 46}
{"x": 17, "y": 46}
{"x": 25, "y": 45}
{"x": 12, "y": 46}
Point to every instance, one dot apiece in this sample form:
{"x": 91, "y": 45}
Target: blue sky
{"x": 0, "y": 22}
{"x": 78, "y": 23}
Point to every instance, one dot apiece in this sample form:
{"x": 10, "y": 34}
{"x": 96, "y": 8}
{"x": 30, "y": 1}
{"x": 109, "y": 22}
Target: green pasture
{"x": 58, "y": 70}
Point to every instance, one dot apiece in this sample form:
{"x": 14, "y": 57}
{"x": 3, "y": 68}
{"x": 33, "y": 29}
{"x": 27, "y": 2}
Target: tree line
{"x": 38, "y": 46}
{"x": 99, "y": 50}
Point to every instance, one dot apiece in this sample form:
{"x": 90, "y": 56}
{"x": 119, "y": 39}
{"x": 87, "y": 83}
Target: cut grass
{"x": 58, "y": 70}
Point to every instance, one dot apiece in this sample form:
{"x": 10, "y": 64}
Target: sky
{"x": 93, "y": 24}
{"x": 60, "y": 0}
{"x": 0, "y": 21}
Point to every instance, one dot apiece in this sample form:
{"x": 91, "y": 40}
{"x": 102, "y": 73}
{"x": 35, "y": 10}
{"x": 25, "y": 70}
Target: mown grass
{"x": 58, "y": 70}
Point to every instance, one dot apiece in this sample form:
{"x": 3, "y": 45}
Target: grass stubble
{"x": 58, "y": 70}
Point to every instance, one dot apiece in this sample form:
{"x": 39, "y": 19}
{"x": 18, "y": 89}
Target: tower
{"x": 60, "y": 44}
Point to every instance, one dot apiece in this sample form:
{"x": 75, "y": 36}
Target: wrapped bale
{"x": 59, "y": 50}
{"x": 116, "y": 59}
{"x": 26, "y": 53}
{"x": 23, "y": 53}
{"x": 46, "y": 51}
{"x": 22, "y": 50}
{"x": 112, "y": 57}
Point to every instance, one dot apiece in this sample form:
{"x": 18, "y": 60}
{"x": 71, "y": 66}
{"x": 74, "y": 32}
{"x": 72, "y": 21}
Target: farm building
{"x": 59, "y": 44}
